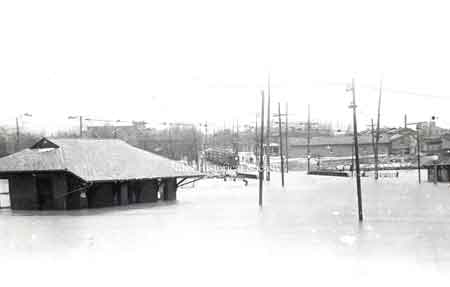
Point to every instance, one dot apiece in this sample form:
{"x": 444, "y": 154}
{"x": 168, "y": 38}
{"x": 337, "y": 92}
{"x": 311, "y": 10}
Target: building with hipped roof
{"x": 79, "y": 173}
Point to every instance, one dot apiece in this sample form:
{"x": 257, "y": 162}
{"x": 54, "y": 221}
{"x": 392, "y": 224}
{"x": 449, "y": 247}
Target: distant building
{"x": 335, "y": 146}
{"x": 403, "y": 141}
{"x": 78, "y": 173}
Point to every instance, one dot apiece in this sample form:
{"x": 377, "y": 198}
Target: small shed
{"x": 439, "y": 171}
{"x": 88, "y": 173}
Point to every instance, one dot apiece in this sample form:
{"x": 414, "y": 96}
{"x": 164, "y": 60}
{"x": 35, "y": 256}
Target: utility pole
{"x": 268, "y": 131}
{"x": 286, "y": 140}
{"x": 81, "y": 127}
{"x": 256, "y": 140}
{"x": 406, "y": 121}
{"x": 194, "y": 134}
{"x": 372, "y": 133}
{"x": 17, "y": 135}
{"x": 418, "y": 147}
{"x": 353, "y": 158}
{"x": 261, "y": 150}
{"x": 237, "y": 138}
{"x": 18, "y": 129}
{"x": 281, "y": 145}
{"x": 418, "y": 153}
{"x": 377, "y": 137}
{"x": 205, "y": 145}
{"x": 308, "y": 148}
{"x": 374, "y": 147}
{"x": 355, "y": 137}
{"x": 81, "y": 123}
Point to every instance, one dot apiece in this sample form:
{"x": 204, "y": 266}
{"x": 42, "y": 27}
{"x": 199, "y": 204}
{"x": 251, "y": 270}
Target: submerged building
{"x": 88, "y": 173}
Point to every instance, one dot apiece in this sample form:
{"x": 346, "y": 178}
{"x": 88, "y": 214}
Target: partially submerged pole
{"x": 418, "y": 153}
{"x": 355, "y": 138}
{"x": 261, "y": 151}
{"x": 286, "y": 140}
{"x": 377, "y": 137}
{"x": 281, "y": 145}
{"x": 308, "y": 148}
{"x": 268, "y": 132}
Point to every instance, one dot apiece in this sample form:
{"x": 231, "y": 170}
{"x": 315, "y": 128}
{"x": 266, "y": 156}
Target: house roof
{"x": 94, "y": 160}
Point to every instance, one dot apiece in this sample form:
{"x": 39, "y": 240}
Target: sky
{"x": 197, "y": 61}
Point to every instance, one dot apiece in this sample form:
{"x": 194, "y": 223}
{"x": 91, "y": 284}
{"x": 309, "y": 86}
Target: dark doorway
{"x": 45, "y": 193}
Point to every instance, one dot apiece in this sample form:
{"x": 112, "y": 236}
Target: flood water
{"x": 216, "y": 234}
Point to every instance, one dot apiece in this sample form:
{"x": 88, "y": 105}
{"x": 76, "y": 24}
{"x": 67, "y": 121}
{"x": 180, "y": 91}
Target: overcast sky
{"x": 208, "y": 60}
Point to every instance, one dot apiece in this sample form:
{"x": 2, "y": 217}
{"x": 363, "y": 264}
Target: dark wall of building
{"x": 38, "y": 191}
{"x": 101, "y": 195}
{"x": 56, "y": 191}
{"x": 170, "y": 189}
{"x": 149, "y": 191}
{"x": 60, "y": 190}
{"x": 22, "y": 192}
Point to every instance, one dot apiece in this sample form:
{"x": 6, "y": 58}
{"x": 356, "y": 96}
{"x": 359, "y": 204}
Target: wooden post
{"x": 281, "y": 145}
{"x": 355, "y": 137}
{"x": 261, "y": 152}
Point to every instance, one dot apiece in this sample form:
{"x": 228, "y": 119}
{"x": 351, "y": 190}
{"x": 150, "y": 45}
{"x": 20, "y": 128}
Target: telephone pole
{"x": 286, "y": 140}
{"x": 256, "y": 140}
{"x": 261, "y": 151}
{"x": 268, "y": 131}
{"x": 375, "y": 149}
{"x": 355, "y": 137}
{"x": 17, "y": 134}
{"x": 205, "y": 146}
{"x": 81, "y": 123}
{"x": 195, "y": 147}
{"x": 308, "y": 149}
{"x": 418, "y": 146}
{"x": 377, "y": 137}
{"x": 281, "y": 145}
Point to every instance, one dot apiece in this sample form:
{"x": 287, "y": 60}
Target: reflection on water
{"x": 218, "y": 227}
